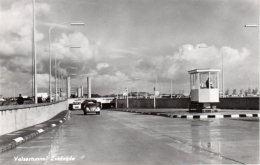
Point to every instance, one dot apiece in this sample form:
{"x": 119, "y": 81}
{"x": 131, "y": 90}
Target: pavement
{"x": 121, "y": 138}
{"x": 184, "y": 113}
{"x": 13, "y": 139}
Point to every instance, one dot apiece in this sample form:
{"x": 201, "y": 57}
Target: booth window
{"x": 214, "y": 79}
{"x": 204, "y": 76}
{"x": 208, "y": 80}
{"x": 194, "y": 80}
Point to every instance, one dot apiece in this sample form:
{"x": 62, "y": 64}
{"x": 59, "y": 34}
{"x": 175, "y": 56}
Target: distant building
{"x": 43, "y": 95}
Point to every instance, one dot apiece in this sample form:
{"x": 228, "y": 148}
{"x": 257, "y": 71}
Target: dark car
{"x": 91, "y": 106}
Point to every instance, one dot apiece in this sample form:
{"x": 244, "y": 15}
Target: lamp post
{"x": 116, "y": 96}
{"x": 222, "y": 69}
{"x": 34, "y": 66}
{"x": 127, "y": 99}
{"x": 50, "y": 56}
{"x": 256, "y": 26}
{"x": 154, "y": 99}
{"x": 171, "y": 88}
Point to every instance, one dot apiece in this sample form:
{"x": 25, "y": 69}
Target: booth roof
{"x": 203, "y": 70}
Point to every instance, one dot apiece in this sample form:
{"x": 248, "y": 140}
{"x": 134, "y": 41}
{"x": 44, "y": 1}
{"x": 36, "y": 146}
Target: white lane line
{"x": 249, "y": 115}
{"x": 40, "y": 130}
{"x": 61, "y": 121}
{"x": 53, "y": 125}
{"x": 203, "y": 116}
{"x": 219, "y": 116}
{"x": 235, "y": 116}
{"x": 18, "y": 139}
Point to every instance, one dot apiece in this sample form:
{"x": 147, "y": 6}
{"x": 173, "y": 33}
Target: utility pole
{"x": 34, "y": 86}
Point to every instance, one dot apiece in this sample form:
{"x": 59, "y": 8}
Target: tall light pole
{"x": 50, "y": 89}
{"x": 171, "y": 88}
{"x": 34, "y": 79}
{"x": 154, "y": 99}
{"x": 127, "y": 99}
{"x": 116, "y": 96}
{"x": 222, "y": 63}
{"x": 50, "y": 57}
{"x": 222, "y": 69}
{"x": 257, "y": 26}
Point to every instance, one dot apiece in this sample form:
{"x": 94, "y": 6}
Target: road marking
{"x": 211, "y": 116}
{"x": 249, "y": 115}
{"x": 40, "y": 130}
{"x": 235, "y": 116}
{"x": 219, "y": 116}
{"x": 18, "y": 139}
{"x": 61, "y": 121}
{"x": 53, "y": 125}
{"x": 189, "y": 116}
{"x": 203, "y": 116}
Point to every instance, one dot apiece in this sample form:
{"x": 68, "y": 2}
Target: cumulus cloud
{"x": 102, "y": 65}
{"x": 16, "y": 45}
{"x": 199, "y": 56}
{"x": 16, "y": 28}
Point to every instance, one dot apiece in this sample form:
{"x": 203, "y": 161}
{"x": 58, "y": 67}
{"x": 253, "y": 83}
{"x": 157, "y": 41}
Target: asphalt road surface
{"x": 127, "y": 138}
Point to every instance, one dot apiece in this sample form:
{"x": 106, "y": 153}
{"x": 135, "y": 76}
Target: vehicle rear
{"x": 90, "y": 106}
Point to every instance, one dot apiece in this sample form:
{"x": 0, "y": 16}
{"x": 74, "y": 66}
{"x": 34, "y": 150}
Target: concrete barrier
{"x": 239, "y": 103}
{"x": 15, "y": 118}
{"x": 225, "y": 103}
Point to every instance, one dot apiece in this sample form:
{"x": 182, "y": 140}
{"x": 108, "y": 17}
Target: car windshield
{"x": 90, "y": 101}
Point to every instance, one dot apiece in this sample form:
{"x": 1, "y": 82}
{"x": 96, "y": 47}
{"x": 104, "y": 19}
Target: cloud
{"x": 188, "y": 57}
{"x": 102, "y": 65}
{"x": 16, "y": 44}
{"x": 112, "y": 54}
{"x": 16, "y": 28}
{"x": 63, "y": 47}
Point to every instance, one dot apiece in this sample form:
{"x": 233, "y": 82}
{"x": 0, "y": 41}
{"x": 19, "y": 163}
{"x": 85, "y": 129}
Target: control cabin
{"x": 204, "y": 85}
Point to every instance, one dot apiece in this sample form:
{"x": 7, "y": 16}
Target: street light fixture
{"x": 251, "y": 25}
{"x": 77, "y": 23}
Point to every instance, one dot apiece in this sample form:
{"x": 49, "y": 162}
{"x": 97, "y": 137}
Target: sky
{"x": 129, "y": 43}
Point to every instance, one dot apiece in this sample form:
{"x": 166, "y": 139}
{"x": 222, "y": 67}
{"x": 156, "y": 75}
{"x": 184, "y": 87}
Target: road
{"x": 135, "y": 139}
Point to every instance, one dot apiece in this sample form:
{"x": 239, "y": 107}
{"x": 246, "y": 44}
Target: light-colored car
{"x": 76, "y": 105}
{"x": 91, "y": 106}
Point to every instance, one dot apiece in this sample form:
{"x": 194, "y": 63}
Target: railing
{"x": 17, "y": 106}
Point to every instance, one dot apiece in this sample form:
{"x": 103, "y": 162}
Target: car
{"x": 76, "y": 105}
{"x": 91, "y": 106}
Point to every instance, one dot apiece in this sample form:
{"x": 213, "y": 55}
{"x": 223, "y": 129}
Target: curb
{"x": 22, "y": 139}
{"x": 196, "y": 116}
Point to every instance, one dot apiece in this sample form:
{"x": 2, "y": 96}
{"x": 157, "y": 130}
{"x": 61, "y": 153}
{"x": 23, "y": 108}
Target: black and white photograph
{"x": 129, "y": 82}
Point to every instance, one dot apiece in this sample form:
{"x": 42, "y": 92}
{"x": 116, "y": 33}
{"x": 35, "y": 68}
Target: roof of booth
{"x": 203, "y": 70}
